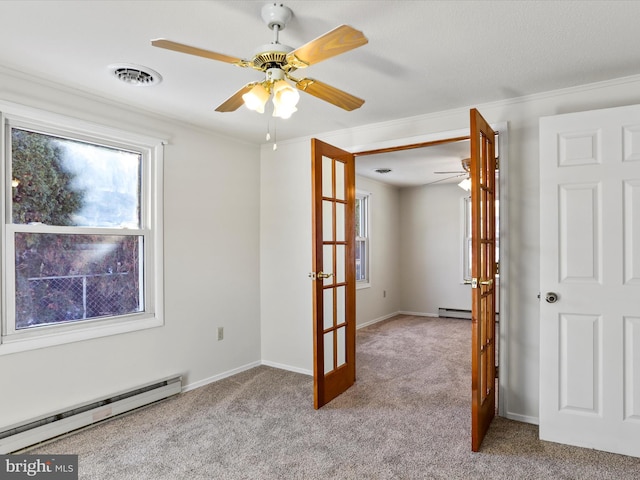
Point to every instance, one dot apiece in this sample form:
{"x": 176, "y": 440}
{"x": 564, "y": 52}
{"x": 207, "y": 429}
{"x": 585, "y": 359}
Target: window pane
{"x": 361, "y": 260}
{"x": 64, "y": 278}
{"x": 63, "y": 182}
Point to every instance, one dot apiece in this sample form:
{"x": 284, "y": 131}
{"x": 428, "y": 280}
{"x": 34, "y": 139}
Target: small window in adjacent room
{"x": 81, "y": 246}
{"x": 362, "y": 237}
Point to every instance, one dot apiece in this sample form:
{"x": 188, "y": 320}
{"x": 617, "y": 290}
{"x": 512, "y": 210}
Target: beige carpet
{"x": 407, "y": 417}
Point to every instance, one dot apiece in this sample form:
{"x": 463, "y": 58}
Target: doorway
{"x": 424, "y": 142}
{"x": 334, "y": 201}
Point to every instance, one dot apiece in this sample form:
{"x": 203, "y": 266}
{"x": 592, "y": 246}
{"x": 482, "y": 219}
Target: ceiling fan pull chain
{"x": 275, "y": 135}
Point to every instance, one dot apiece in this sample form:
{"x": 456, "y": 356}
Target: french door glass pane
{"x": 328, "y": 352}
{"x": 327, "y": 177}
{"x": 340, "y": 302}
{"x": 65, "y": 278}
{"x": 342, "y": 347}
{"x": 327, "y": 263}
{"x": 340, "y": 185}
{"x": 340, "y": 264}
{"x": 327, "y": 221}
{"x": 328, "y": 308}
{"x": 340, "y": 219}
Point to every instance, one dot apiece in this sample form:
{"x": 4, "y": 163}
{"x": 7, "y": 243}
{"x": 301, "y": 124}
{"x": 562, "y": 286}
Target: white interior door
{"x": 590, "y": 279}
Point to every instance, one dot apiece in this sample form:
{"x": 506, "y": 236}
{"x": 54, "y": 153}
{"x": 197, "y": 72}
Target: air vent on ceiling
{"x": 136, "y": 75}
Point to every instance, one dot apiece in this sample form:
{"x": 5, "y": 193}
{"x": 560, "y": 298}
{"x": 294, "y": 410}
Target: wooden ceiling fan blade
{"x": 329, "y": 94}
{"x": 199, "y": 52}
{"x": 339, "y": 40}
{"x": 235, "y": 101}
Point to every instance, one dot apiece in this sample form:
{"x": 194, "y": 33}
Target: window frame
{"x": 365, "y": 223}
{"x": 150, "y": 228}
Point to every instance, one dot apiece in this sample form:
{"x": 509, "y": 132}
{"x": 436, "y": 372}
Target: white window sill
{"x": 9, "y": 345}
{"x": 361, "y": 285}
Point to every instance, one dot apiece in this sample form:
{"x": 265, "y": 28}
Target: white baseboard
{"x": 235, "y": 371}
{"x": 523, "y": 418}
{"x": 376, "y": 320}
{"x": 418, "y": 314}
{"x": 220, "y": 376}
{"x": 281, "y": 366}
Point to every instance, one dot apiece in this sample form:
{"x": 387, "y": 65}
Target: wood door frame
{"x": 427, "y": 140}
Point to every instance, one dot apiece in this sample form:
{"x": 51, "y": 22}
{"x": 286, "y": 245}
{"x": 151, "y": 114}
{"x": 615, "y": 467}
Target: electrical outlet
{"x": 220, "y": 333}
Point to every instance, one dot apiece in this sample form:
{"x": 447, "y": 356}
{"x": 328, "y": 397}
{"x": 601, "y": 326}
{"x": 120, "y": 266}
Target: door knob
{"x": 324, "y": 275}
{"x": 551, "y": 297}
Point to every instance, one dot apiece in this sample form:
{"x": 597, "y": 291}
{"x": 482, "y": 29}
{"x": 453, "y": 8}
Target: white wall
{"x": 285, "y": 255}
{"x": 384, "y": 245}
{"x": 286, "y": 243}
{"x": 211, "y": 242}
{"x": 431, "y": 246}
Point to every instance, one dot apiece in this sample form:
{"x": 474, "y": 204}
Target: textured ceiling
{"x": 422, "y": 56}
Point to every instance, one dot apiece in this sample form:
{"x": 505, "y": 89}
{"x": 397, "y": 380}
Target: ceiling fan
{"x": 465, "y": 184}
{"x": 465, "y": 163}
{"x": 278, "y": 61}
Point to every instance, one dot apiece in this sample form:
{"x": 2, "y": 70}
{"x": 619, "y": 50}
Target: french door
{"x": 483, "y": 273}
{"x": 334, "y": 311}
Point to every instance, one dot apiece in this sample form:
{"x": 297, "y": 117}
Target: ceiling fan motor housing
{"x": 271, "y": 55}
{"x": 276, "y": 14}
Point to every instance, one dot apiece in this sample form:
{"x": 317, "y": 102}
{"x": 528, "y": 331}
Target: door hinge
{"x": 497, "y": 371}
{"x": 497, "y": 163}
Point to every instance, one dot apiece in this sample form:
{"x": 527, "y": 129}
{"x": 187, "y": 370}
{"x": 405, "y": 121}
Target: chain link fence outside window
{"x": 76, "y": 297}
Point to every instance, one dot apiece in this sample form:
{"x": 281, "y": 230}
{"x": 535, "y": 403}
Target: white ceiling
{"x": 422, "y": 56}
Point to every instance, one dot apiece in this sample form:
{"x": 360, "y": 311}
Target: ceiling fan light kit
{"x": 278, "y": 61}
{"x": 256, "y": 98}
{"x": 465, "y": 184}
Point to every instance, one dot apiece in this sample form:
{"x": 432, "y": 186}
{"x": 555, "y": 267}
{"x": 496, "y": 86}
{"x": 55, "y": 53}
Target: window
{"x": 81, "y": 244}
{"x": 362, "y": 237}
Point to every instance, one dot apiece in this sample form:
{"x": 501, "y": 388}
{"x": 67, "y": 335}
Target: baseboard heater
{"x": 454, "y": 313}
{"x": 22, "y": 435}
